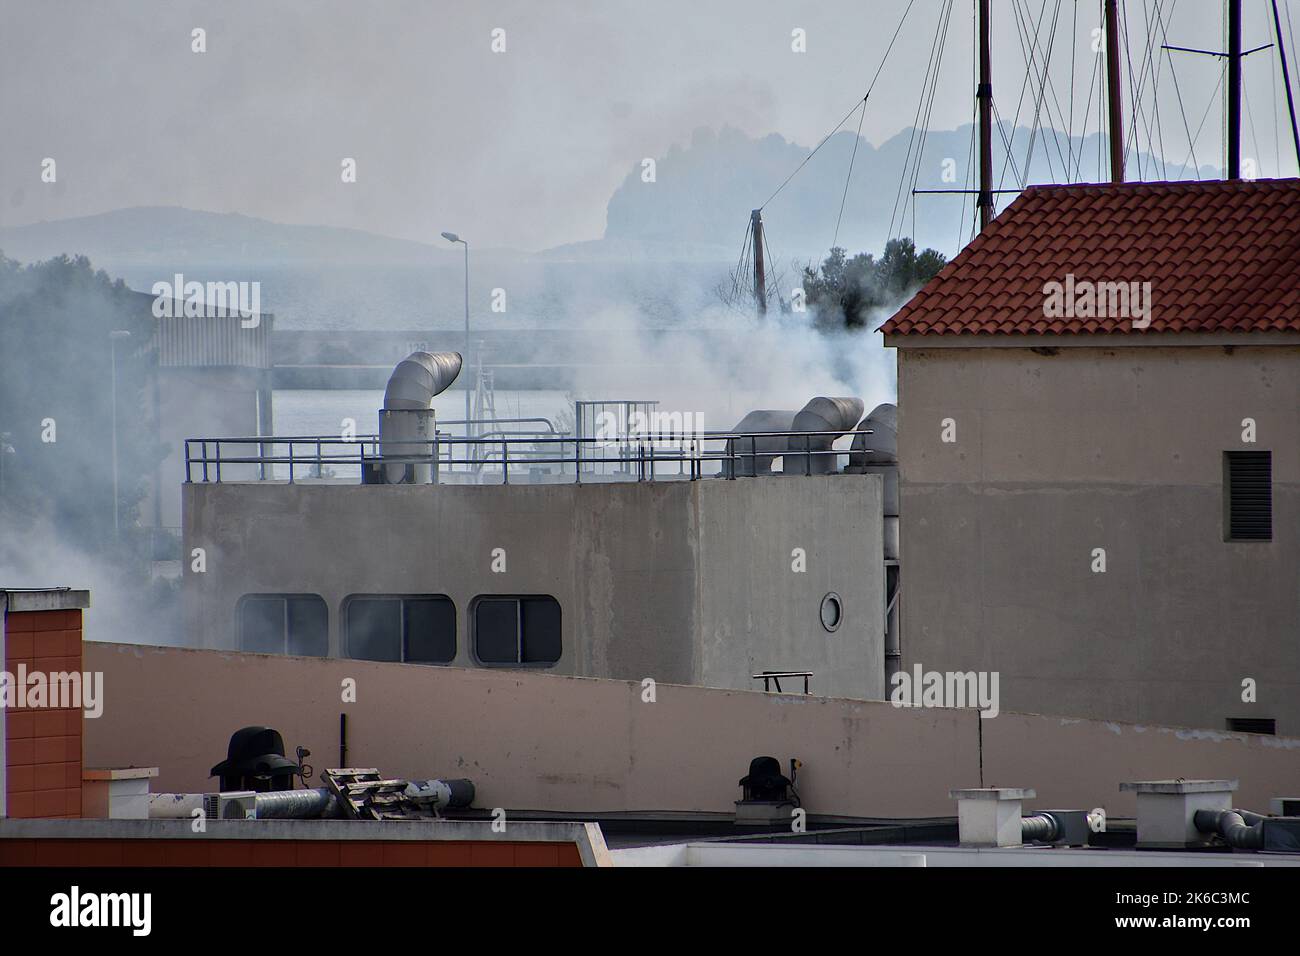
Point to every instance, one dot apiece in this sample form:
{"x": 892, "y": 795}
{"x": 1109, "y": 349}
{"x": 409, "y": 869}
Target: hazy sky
{"x": 521, "y": 148}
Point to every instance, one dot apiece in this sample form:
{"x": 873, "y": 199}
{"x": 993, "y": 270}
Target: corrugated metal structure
{"x": 214, "y": 341}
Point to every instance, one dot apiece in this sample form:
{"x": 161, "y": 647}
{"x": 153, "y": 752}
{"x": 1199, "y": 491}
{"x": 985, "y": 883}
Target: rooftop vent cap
{"x": 255, "y": 761}
{"x": 419, "y": 377}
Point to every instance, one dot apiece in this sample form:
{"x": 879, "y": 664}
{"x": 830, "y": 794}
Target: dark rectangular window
{"x": 295, "y": 624}
{"x": 374, "y": 629}
{"x": 430, "y": 631}
{"x": 417, "y": 629}
{"x": 517, "y": 630}
{"x": 1253, "y": 725}
{"x": 496, "y": 630}
{"x": 1248, "y": 496}
{"x": 540, "y": 637}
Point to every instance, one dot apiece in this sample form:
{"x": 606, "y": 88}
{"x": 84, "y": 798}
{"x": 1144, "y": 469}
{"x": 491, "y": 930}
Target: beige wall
{"x": 542, "y": 742}
{"x": 679, "y": 581}
{"x": 1114, "y": 448}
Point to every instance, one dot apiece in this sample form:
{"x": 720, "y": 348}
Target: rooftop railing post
{"x": 290, "y": 463}
{"x": 187, "y": 461}
{"x": 205, "y": 460}
{"x": 218, "y": 461}
{"x": 505, "y": 461}
{"x": 807, "y": 461}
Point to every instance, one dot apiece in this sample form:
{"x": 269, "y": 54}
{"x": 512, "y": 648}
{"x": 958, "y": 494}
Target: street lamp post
{"x": 113, "y": 339}
{"x": 452, "y": 237}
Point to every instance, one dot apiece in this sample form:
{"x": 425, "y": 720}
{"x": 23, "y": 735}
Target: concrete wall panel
{"x": 682, "y": 582}
{"x": 1121, "y": 449}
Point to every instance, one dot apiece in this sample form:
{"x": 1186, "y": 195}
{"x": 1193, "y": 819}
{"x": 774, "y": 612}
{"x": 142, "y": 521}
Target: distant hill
{"x": 703, "y": 192}
{"x": 148, "y": 236}
{"x": 668, "y": 245}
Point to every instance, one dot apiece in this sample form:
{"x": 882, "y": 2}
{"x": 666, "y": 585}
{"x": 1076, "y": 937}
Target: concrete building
{"x": 690, "y": 582}
{"x": 213, "y": 378}
{"x": 1102, "y": 503}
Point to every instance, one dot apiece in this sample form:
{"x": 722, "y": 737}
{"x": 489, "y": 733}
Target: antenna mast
{"x": 984, "y": 96}
{"x": 1115, "y": 93}
{"x": 1234, "y": 89}
{"x": 760, "y": 273}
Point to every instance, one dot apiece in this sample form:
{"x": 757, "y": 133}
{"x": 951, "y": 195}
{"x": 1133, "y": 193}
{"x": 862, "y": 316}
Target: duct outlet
{"x": 990, "y": 816}
{"x": 407, "y": 428}
{"x": 1166, "y": 810}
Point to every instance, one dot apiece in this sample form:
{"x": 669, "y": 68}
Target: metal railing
{"x": 506, "y": 456}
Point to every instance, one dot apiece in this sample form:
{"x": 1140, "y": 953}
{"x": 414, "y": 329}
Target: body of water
{"x": 325, "y": 411}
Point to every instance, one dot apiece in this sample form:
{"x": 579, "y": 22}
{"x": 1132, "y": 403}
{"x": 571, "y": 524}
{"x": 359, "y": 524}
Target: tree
{"x": 55, "y": 368}
{"x": 844, "y": 292}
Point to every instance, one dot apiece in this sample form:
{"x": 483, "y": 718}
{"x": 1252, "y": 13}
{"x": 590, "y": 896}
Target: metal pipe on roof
{"x": 755, "y": 456}
{"x": 407, "y": 429}
{"x": 296, "y": 804}
{"x": 822, "y": 414}
{"x": 1239, "y": 828}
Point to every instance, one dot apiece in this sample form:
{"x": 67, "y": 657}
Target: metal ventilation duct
{"x": 881, "y": 446}
{"x": 875, "y": 452}
{"x": 419, "y": 377}
{"x": 407, "y": 430}
{"x": 822, "y": 414}
{"x": 757, "y": 453}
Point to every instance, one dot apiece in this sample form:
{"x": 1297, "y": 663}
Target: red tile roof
{"x": 1220, "y": 257}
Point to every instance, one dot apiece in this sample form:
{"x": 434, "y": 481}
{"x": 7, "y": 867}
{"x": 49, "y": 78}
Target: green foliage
{"x": 845, "y": 292}
{"x": 55, "y": 364}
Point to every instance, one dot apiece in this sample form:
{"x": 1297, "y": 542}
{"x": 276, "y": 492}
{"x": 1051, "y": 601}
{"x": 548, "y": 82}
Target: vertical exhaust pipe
{"x": 407, "y": 427}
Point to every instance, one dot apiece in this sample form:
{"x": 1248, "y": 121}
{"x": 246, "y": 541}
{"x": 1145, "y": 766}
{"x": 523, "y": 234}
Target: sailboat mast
{"x": 984, "y": 96}
{"x": 760, "y": 273}
{"x": 1114, "y": 93}
{"x": 1234, "y": 89}
{"x": 1286, "y": 81}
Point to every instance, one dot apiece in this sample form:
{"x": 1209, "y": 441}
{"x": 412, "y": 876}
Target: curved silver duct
{"x": 407, "y": 432}
{"x": 875, "y": 452}
{"x": 881, "y": 446}
{"x": 419, "y": 377}
{"x": 822, "y": 414}
{"x": 757, "y": 454}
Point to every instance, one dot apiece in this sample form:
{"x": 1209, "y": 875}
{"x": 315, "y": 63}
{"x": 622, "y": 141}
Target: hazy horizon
{"x": 522, "y": 149}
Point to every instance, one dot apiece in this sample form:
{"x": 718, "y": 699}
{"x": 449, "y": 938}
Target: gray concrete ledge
{"x": 44, "y": 599}
{"x": 1179, "y": 786}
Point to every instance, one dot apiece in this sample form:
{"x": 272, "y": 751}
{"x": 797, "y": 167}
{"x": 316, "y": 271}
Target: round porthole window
{"x": 832, "y": 611}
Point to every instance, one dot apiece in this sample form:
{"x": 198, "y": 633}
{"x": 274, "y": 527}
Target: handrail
{"x": 637, "y": 456}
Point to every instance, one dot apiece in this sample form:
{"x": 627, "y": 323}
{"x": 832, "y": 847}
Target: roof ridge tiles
{"x": 1220, "y": 256}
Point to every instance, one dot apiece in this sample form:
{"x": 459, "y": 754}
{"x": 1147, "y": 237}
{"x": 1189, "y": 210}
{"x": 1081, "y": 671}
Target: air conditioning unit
{"x": 233, "y": 805}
